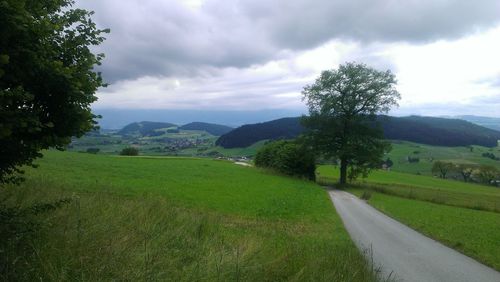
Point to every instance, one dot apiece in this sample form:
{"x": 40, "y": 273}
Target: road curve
{"x": 402, "y": 252}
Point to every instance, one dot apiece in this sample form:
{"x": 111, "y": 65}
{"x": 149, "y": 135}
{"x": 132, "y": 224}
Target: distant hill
{"x": 425, "y": 130}
{"x": 144, "y": 128}
{"x": 488, "y": 122}
{"x": 438, "y": 131}
{"x": 214, "y": 129}
{"x": 246, "y": 135}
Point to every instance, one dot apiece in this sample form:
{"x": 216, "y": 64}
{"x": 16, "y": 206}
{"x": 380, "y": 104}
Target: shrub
{"x": 173, "y": 130}
{"x": 487, "y": 174}
{"x": 129, "y": 151}
{"x": 413, "y": 159}
{"x": 441, "y": 168}
{"x": 366, "y": 195}
{"x": 288, "y": 157}
{"x": 491, "y": 156}
{"x": 93, "y": 150}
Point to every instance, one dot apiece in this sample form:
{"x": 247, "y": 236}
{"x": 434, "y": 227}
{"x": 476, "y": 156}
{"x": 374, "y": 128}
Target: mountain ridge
{"x": 212, "y": 128}
{"x": 419, "y": 129}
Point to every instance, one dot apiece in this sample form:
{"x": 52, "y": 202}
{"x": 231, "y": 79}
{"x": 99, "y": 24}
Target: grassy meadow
{"x": 426, "y": 154}
{"x": 463, "y": 216}
{"x": 128, "y": 219}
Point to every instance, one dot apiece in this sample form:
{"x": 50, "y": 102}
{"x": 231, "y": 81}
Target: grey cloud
{"x": 485, "y": 106}
{"x": 303, "y": 24}
{"x": 166, "y": 38}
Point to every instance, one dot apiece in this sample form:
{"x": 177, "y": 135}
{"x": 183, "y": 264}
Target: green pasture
{"x": 161, "y": 218}
{"x": 427, "y": 154}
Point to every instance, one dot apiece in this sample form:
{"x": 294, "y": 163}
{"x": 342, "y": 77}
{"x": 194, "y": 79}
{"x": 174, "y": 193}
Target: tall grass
{"x": 423, "y": 188}
{"x": 111, "y": 234}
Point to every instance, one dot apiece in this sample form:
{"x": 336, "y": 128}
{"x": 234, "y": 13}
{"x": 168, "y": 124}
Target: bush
{"x": 487, "y": 174}
{"x": 413, "y": 159}
{"x": 129, "y": 151}
{"x": 366, "y": 195}
{"x": 93, "y": 150}
{"x": 491, "y": 156}
{"x": 287, "y": 157}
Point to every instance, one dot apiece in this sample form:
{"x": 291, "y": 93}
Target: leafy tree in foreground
{"x": 343, "y": 104}
{"x": 47, "y": 78}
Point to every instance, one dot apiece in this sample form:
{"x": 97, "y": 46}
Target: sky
{"x": 254, "y": 55}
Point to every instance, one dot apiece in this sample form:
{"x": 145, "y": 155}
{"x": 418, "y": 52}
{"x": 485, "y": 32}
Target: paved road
{"x": 400, "y": 250}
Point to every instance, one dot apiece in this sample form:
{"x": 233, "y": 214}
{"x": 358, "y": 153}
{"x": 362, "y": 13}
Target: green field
{"x": 463, "y": 216}
{"x": 427, "y": 154}
{"x": 472, "y": 232}
{"x": 174, "y": 219}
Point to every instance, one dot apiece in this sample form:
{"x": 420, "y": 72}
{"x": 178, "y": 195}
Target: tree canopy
{"x": 343, "y": 104}
{"x": 47, "y": 78}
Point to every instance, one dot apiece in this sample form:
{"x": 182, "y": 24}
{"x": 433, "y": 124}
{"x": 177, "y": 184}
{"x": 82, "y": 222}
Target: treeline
{"x": 438, "y": 131}
{"x": 424, "y": 130}
{"x": 485, "y": 174}
{"x": 214, "y": 129}
{"x": 145, "y": 128}
{"x": 246, "y": 135}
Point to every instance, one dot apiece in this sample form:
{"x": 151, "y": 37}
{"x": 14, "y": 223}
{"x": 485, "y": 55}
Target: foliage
{"x": 246, "y": 135}
{"x": 214, "y": 129}
{"x": 441, "y": 168}
{"x": 465, "y": 171}
{"x": 424, "y": 130}
{"x": 288, "y": 157}
{"x": 144, "y": 128}
{"x": 413, "y": 159}
{"x": 486, "y": 174}
{"x": 438, "y": 131}
{"x": 491, "y": 156}
{"x": 343, "y": 104}
{"x": 47, "y": 78}
{"x": 93, "y": 150}
{"x": 129, "y": 151}
{"x": 389, "y": 163}
{"x": 173, "y": 130}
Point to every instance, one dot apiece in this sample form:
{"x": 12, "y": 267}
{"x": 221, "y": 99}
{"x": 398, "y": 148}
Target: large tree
{"x": 343, "y": 104}
{"x": 47, "y": 78}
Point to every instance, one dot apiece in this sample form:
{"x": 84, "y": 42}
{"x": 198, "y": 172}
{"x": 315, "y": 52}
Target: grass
{"x": 461, "y": 215}
{"x": 174, "y": 219}
{"x": 426, "y": 188}
{"x": 427, "y": 154}
{"x": 472, "y": 232}
{"x": 247, "y": 151}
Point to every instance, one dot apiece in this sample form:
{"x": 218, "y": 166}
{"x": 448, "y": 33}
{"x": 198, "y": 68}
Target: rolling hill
{"x": 246, "y": 135}
{"x": 144, "y": 128}
{"x": 425, "y": 130}
{"x": 214, "y": 129}
{"x": 488, "y": 122}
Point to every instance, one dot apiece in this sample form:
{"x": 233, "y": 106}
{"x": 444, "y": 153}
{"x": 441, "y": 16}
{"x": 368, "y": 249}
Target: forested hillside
{"x": 246, "y": 135}
{"x": 425, "y": 130}
{"x": 144, "y": 128}
{"x": 214, "y": 129}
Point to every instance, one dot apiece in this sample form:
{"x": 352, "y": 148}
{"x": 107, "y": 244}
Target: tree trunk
{"x": 343, "y": 172}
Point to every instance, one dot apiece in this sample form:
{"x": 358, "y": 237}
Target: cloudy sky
{"x": 259, "y": 54}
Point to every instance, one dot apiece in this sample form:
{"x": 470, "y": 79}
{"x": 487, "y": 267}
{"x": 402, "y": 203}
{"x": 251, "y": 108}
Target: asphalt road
{"x": 400, "y": 251}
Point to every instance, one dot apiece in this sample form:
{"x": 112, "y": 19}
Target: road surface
{"x": 400, "y": 251}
